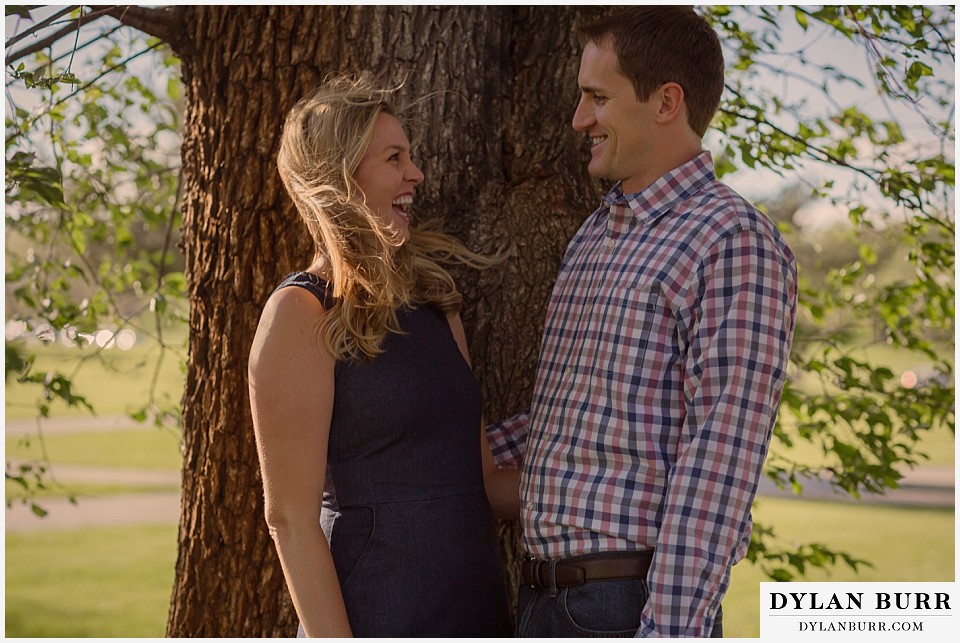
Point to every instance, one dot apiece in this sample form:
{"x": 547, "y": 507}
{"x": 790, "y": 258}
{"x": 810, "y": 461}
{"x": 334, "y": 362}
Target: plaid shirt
{"x": 662, "y": 362}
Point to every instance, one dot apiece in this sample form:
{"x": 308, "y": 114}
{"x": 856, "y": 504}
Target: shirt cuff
{"x": 508, "y": 440}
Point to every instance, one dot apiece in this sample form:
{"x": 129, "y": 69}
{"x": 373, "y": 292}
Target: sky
{"x": 823, "y": 46}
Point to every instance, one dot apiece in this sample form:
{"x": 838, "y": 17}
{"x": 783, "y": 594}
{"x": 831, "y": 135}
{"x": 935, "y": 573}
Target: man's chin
{"x": 597, "y": 171}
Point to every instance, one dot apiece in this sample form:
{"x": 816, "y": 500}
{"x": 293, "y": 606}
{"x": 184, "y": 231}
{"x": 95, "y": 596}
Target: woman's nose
{"x": 414, "y": 174}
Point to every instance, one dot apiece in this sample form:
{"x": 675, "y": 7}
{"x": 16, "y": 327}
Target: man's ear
{"x": 672, "y": 105}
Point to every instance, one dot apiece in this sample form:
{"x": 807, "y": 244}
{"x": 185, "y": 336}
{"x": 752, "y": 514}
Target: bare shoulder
{"x": 287, "y": 329}
{"x": 292, "y": 304}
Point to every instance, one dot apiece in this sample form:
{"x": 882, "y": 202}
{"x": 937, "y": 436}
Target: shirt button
{"x": 530, "y": 505}
{"x": 568, "y": 372}
{"x": 608, "y": 243}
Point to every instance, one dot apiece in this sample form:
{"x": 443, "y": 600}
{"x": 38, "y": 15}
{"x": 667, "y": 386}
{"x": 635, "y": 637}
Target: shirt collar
{"x": 667, "y": 191}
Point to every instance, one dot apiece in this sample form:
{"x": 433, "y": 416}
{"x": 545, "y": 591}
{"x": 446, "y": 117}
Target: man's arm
{"x": 739, "y": 330}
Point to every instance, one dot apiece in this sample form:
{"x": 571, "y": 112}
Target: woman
{"x": 365, "y": 408}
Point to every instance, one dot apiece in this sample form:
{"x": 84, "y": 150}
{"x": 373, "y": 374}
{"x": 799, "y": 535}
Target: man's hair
{"x": 658, "y": 45}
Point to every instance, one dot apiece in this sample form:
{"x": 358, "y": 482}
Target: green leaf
{"x": 781, "y": 575}
{"x": 915, "y": 72}
{"x": 33, "y": 181}
{"x": 16, "y": 360}
{"x": 174, "y": 88}
{"x": 868, "y": 254}
{"x": 79, "y": 240}
{"x": 17, "y": 10}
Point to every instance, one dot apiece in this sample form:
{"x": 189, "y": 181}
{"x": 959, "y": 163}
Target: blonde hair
{"x": 372, "y": 271}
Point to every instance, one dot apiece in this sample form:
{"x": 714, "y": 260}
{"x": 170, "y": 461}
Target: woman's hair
{"x": 371, "y": 270}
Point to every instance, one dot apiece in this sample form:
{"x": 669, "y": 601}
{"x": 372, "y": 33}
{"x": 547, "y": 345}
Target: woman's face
{"x": 387, "y": 175}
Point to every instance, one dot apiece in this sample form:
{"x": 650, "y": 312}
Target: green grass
{"x": 143, "y": 448}
{"x": 115, "y": 382}
{"x": 104, "y": 582}
{"x": 903, "y": 544}
{"x": 82, "y": 490}
{"x": 937, "y": 444}
{"x": 80, "y": 583}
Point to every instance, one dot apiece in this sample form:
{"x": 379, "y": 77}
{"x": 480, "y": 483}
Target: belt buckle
{"x": 534, "y": 570}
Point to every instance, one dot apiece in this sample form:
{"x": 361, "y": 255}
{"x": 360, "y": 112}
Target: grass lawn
{"x": 104, "y": 582}
{"x": 143, "y": 448}
{"x": 110, "y": 582}
{"x": 938, "y": 445}
{"x": 903, "y": 544}
{"x": 115, "y": 382}
{"x": 83, "y": 490}
{"x": 80, "y": 583}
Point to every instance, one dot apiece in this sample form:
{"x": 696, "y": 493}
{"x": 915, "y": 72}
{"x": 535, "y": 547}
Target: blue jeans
{"x": 597, "y": 609}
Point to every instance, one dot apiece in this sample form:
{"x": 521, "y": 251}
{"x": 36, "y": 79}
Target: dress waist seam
{"x": 345, "y": 505}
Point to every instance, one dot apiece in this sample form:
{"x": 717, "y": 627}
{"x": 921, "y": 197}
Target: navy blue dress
{"x": 405, "y": 512}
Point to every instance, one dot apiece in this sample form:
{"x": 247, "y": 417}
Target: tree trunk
{"x": 503, "y": 168}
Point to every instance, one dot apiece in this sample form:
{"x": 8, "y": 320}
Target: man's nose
{"x": 582, "y": 117}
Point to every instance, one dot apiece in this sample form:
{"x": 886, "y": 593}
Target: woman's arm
{"x": 502, "y": 485}
{"x": 291, "y": 396}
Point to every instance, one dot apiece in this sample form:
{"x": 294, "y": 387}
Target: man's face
{"x": 618, "y": 125}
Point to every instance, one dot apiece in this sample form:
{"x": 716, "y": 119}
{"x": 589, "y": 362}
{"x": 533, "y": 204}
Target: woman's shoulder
{"x": 288, "y": 321}
{"x": 300, "y": 298}
{"x": 310, "y": 282}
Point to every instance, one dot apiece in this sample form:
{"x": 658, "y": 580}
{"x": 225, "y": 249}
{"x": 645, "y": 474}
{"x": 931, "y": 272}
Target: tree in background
{"x": 503, "y": 168}
{"x": 93, "y": 212}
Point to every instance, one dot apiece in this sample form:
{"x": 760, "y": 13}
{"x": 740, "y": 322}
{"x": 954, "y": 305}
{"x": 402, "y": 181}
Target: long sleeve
{"x": 738, "y": 328}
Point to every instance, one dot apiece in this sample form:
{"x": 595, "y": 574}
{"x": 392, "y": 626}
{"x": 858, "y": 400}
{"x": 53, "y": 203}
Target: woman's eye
{"x": 394, "y": 157}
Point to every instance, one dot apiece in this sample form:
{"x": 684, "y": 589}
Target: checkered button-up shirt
{"x": 662, "y": 362}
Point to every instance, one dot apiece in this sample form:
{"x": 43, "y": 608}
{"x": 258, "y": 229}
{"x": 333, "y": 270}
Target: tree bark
{"x": 503, "y": 169}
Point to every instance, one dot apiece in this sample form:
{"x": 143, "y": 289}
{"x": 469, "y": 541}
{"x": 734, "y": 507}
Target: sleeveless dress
{"x": 405, "y": 512}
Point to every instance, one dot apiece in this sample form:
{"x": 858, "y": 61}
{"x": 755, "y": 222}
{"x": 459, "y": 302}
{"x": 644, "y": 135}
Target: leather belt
{"x": 578, "y": 570}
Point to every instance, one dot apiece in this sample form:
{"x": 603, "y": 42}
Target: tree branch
{"x": 108, "y": 71}
{"x": 102, "y": 36}
{"x": 37, "y": 27}
{"x": 74, "y": 25}
{"x": 41, "y": 44}
{"x": 162, "y": 23}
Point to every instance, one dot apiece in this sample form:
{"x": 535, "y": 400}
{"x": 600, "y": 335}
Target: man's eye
{"x": 599, "y": 99}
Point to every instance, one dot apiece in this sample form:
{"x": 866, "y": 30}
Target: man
{"x": 663, "y": 358}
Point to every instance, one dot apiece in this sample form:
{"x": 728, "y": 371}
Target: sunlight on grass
{"x": 82, "y": 490}
{"x": 80, "y": 583}
{"x": 878, "y": 534}
{"x": 107, "y": 582}
{"x": 143, "y": 448}
{"x": 936, "y": 444}
{"x": 115, "y": 383}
